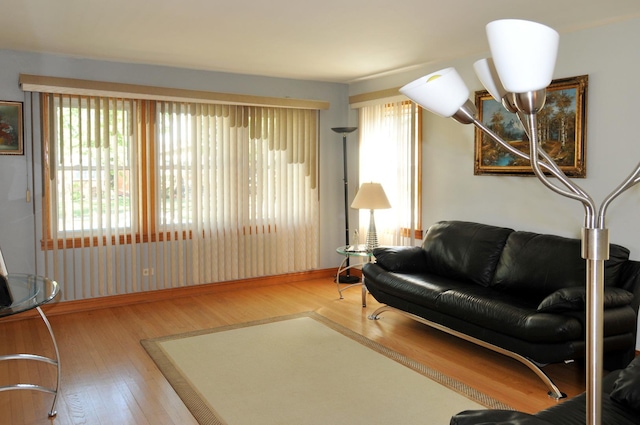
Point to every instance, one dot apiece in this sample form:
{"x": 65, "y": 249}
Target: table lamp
{"x": 371, "y": 197}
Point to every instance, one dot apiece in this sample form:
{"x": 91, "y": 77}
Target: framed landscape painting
{"x": 561, "y": 128}
{"x": 11, "y": 139}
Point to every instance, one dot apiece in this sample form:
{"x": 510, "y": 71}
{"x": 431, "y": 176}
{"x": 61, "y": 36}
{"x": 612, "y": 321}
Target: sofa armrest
{"x": 574, "y": 299}
{"x": 495, "y": 417}
{"x": 404, "y": 259}
{"x": 626, "y": 388}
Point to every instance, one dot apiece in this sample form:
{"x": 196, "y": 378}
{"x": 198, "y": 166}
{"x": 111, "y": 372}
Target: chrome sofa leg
{"x": 553, "y": 392}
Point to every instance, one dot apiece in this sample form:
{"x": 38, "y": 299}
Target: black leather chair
{"x": 620, "y": 406}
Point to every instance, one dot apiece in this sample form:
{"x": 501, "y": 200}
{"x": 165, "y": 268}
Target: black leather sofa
{"x": 519, "y": 293}
{"x": 620, "y": 406}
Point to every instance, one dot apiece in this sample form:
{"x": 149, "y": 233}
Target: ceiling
{"x": 324, "y": 40}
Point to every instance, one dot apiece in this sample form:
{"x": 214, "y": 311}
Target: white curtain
{"x": 147, "y": 195}
{"x": 389, "y": 155}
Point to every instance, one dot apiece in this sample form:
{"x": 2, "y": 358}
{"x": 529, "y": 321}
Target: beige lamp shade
{"x": 371, "y": 196}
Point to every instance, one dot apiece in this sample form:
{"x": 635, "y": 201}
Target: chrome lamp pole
{"x": 521, "y": 67}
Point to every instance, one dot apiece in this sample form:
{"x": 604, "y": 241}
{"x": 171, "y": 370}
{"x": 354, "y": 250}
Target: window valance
{"x": 376, "y": 97}
{"x": 73, "y": 86}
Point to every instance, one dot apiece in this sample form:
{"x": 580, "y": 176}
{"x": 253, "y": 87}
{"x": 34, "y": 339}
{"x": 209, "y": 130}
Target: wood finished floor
{"x": 107, "y": 377}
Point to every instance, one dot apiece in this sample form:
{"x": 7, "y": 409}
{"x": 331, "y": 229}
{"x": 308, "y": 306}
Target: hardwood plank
{"x": 109, "y": 379}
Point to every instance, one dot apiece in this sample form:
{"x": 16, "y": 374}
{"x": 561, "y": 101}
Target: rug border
{"x": 206, "y": 415}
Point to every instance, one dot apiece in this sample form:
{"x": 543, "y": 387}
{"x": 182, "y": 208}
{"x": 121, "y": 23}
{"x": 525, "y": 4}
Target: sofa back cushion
{"x": 464, "y": 250}
{"x": 541, "y": 264}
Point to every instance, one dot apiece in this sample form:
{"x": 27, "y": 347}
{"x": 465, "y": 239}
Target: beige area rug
{"x": 304, "y": 369}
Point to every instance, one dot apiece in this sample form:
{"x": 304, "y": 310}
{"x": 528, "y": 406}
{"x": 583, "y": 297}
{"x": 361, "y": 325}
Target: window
{"x": 390, "y": 154}
{"x": 222, "y": 191}
{"x": 93, "y": 165}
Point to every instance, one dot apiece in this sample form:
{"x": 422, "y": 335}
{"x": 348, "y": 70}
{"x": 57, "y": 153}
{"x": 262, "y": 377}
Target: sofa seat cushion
{"x": 501, "y": 312}
{"x": 541, "y": 264}
{"x": 509, "y": 314}
{"x": 418, "y": 288}
{"x": 464, "y": 251}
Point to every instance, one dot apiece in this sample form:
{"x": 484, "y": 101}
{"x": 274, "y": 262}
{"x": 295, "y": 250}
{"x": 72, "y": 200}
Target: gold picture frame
{"x": 562, "y": 124}
{"x": 11, "y": 136}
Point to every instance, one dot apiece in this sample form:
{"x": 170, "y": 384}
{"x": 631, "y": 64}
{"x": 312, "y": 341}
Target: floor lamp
{"x": 521, "y": 67}
{"x": 346, "y": 278}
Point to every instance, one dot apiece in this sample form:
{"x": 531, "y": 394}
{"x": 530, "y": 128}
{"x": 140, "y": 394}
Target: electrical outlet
{"x": 145, "y": 272}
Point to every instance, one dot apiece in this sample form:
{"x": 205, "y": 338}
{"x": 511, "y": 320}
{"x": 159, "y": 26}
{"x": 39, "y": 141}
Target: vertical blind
{"x": 147, "y": 194}
{"x": 389, "y": 155}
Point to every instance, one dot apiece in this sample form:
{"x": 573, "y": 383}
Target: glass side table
{"x": 30, "y": 292}
{"x": 360, "y": 253}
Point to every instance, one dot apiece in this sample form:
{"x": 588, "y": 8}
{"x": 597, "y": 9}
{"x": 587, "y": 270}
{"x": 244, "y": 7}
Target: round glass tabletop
{"x": 354, "y": 251}
{"x": 28, "y": 292}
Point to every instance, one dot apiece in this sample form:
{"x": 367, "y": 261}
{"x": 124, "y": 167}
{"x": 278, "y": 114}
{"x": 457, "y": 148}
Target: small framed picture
{"x": 561, "y": 127}
{"x": 11, "y": 139}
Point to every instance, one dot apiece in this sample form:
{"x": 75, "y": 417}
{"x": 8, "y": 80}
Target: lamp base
{"x": 343, "y": 278}
{"x": 372, "y": 235}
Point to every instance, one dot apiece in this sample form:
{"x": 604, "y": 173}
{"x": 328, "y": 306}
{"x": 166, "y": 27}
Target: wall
{"x": 19, "y": 228}
{"x": 609, "y": 55}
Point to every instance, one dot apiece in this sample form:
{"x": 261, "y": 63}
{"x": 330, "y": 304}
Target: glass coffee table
{"x": 29, "y": 292}
{"x": 357, "y": 252}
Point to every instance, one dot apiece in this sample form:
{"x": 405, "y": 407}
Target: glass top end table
{"x": 29, "y": 292}
{"x": 359, "y": 252}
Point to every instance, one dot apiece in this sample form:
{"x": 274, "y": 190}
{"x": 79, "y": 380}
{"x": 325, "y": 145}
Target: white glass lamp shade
{"x": 488, "y": 76}
{"x": 442, "y": 92}
{"x": 524, "y": 53}
{"x": 3, "y": 266}
{"x": 371, "y": 196}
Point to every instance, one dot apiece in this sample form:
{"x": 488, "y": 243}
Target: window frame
{"x": 416, "y": 131}
{"x": 144, "y": 228}
{"x": 146, "y": 222}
